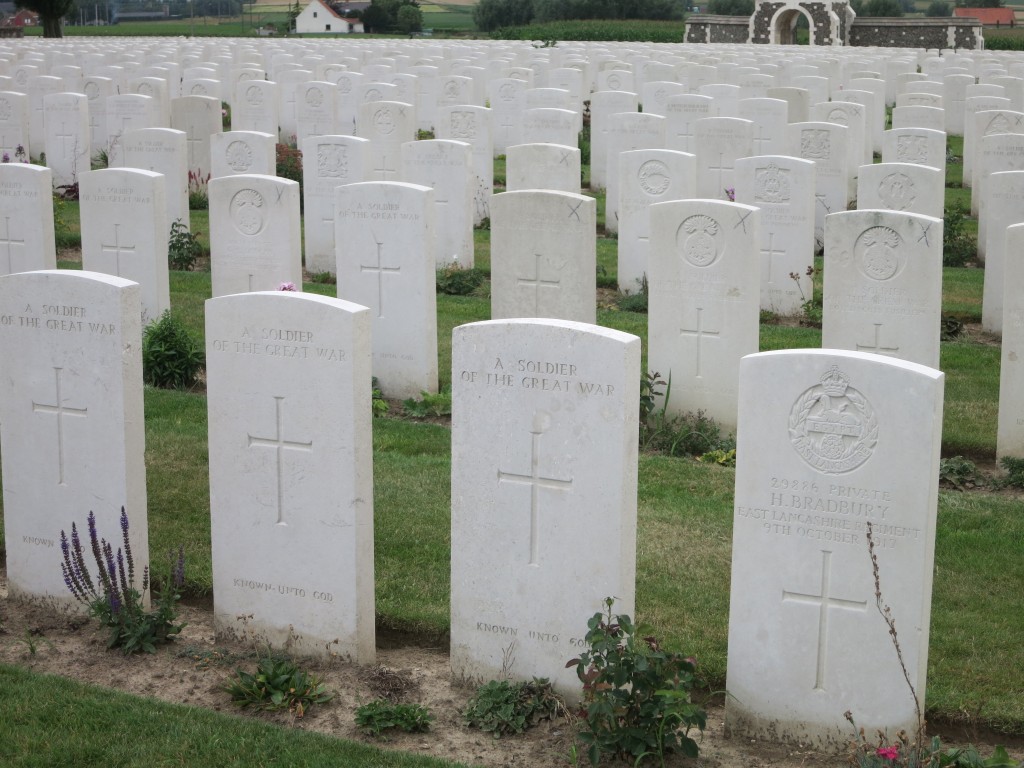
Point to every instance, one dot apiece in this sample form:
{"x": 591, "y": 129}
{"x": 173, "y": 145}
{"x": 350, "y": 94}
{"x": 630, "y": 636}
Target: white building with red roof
{"x": 320, "y": 18}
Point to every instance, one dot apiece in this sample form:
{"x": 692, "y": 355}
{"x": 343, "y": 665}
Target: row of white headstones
{"x": 835, "y": 430}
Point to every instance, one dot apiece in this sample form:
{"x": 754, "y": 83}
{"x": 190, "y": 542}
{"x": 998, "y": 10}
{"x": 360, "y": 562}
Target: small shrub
{"x": 64, "y": 236}
{"x": 637, "y": 694}
{"x": 958, "y": 472}
{"x": 183, "y": 247}
{"x": 456, "y": 281}
{"x": 1014, "y": 471}
{"x": 951, "y": 328}
{"x": 379, "y": 716}
{"x": 198, "y": 198}
{"x": 635, "y": 302}
{"x": 323, "y": 278}
{"x": 811, "y": 306}
{"x": 378, "y": 403}
{"x": 650, "y": 385}
{"x": 171, "y": 357}
{"x": 277, "y": 684}
{"x": 503, "y": 708}
{"x": 687, "y": 434}
{"x": 958, "y": 247}
{"x": 289, "y": 162}
{"x": 429, "y": 405}
{"x": 720, "y": 457}
{"x": 112, "y": 597}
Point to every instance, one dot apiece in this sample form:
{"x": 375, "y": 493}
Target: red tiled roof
{"x": 987, "y": 16}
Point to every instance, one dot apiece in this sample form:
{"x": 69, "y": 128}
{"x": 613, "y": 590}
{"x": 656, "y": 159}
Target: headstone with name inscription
{"x": 997, "y": 153}
{"x": 255, "y": 234}
{"x": 627, "y": 131}
{"x": 507, "y": 97}
{"x": 989, "y": 123}
{"x": 384, "y": 233}
{"x": 919, "y": 116}
{"x": 604, "y": 104}
{"x": 161, "y": 150}
{"x": 199, "y": 117}
{"x": 14, "y": 126}
{"x": 825, "y": 144}
{"x": 315, "y": 109}
{"x": 71, "y": 343}
{"x": 388, "y": 125}
{"x": 328, "y": 162}
{"x": 128, "y": 112}
{"x": 472, "y": 125}
{"x": 291, "y": 469}
{"x": 719, "y": 142}
{"x": 255, "y": 107}
{"x": 125, "y": 231}
{"x": 919, "y": 146}
{"x": 26, "y": 218}
{"x": 66, "y": 136}
{"x": 96, "y": 90}
{"x": 446, "y": 167}
{"x": 1002, "y": 207}
{"x": 682, "y": 112}
{"x": 543, "y": 255}
{"x": 704, "y": 301}
{"x": 547, "y": 125}
{"x": 818, "y": 462}
{"x": 769, "y": 118}
{"x": 544, "y": 420}
{"x": 783, "y": 188}
{"x": 883, "y": 284}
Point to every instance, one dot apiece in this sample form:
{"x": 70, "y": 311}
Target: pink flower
{"x": 888, "y": 753}
{"x": 287, "y": 287}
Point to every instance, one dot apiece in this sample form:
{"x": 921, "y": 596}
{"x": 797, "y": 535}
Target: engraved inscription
{"x": 832, "y": 425}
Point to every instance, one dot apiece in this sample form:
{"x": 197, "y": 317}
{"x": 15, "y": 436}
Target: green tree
{"x": 938, "y": 8}
{"x": 410, "y": 19}
{"x": 731, "y": 7}
{"x": 50, "y": 13}
{"x": 489, "y": 15}
{"x": 293, "y": 14}
{"x": 878, "y": 8}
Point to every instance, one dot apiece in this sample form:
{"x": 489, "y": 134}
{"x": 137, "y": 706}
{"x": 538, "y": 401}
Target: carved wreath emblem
{"x": 912, "y": 149}
{"x": 878, "y": 252}
{"x": 254, "y": 95}
{"x": 771, "y": 184}
{"x": 345, "y": 84}
{"x": 897, "y": 191}
{"x": 331, "y": 161}
{"x": 463, "y": 125}
{"x": 384, "y": 121}
{"x": 238, "y": 156}
{"x": 314, "y": 97}
{"x": 247, "y": 211}
{"x": 700, "y": 247}
{"x": 654, "y": 177}
{"x": 198, "y": 89}
{"x": 832, "y": 425}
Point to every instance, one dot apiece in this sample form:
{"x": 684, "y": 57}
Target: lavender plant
{"x": 112, "y": 596}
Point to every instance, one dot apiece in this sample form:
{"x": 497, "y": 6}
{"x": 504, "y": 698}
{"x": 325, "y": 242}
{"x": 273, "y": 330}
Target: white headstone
{"x": 472, "y": 125}
{"x": 327, "y": 163}
{"x": 1010, "y": 432}
{"x": 255, "y": 107}
{"x": 71, "y": 400}
{"x": 902, "y": 187}
{"x": 825, "y": 144}
{"x": 14, "y": 126}
{"x": 543, "y": 255}
{"x": 26, "y": 216}
{"x": 1003, "y": 206}
{"x": 66, "y": 142}
{"x": 883, "y": 284}
{"x": 719, "y": 142}
{"x": 920, "y": 146}
{"x": 845, "y": 439}
{"x": 542, "y": 166}
{"x": 125, "y": 231}
{"x": 161, "y": 150}
{"x": 704, "y": 299}
{"x": 237, "y": 152}
{"x": 291, "y": 469}
{"x": 384, "y": 233}
{"x": 255, "y": 235}
{"x": 446, "y": 167}
{"x": 544, "y": 451}
{"x": 388, "y": 125}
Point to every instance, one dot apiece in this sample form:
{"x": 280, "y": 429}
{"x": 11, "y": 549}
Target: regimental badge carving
{"x": 198, "y": 89}
{"x": 384, "y": 121}
{"x": 660, "y": 95}
{"x": 879, "y": 253}
{"x": 5, "y": 109}
{"x": 451, "y": 89}
{"x": 238, "y": 156}
{"x": 897, "y": 191}
{"x": 92, "y": 91}
{"x": 998, "y": 124}
{"x": 463, "y": 125}
{"x": 654, "y": 177}
{"x": 815, "y": 144}
{"x": 254, "y": 95}
{"x": 700, "y": 247}
{"x": 372, "y": 94}
{"x": 839, "y": 116}
{"x": 332, "y": 161}
{"x": 247, "y": 211}
{"x": 146, "y": 89}
{"x": 771, "y": 184}
{"x": 243, "y": 76}
{"x": 507, "y": 92}
{"x": 21, "y": 77}
{"x": 832, "y": 425}
{"x": 912, "y": 149}
{"x": 314, "y": 97}
{"x": 614, "y": 82}
{"x": 345, "y": 84}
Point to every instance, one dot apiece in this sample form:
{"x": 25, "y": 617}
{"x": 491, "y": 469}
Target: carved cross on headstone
{"x": 381, "y": 270}
{"x": 824, "y": 601}
{"x": 384, "y": 170}
{"x": 279, "y": 445}
{"x": 699, "y": 332}
{"x": 536, "y": 283}
{"x": 769, "y": 252}
{"x": 10, "y": 242}
{"x": 117, "y": 249}
{"x": 876, "y": 346}
{"x": 721, "y": 168}
{"x": 536, "y": 481}
{"x": 59, "y": 410}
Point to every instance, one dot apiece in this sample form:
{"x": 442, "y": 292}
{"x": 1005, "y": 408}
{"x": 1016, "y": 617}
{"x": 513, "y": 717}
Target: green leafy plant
{"x": 429, "y": 405}
{"x": 811, "y": 306}
{"x": 198, "y": 197}
{"x": 637, "y": 694}
{"x": 323, "y": 278}
{"x": 1014, "y": 472}
{"x": 650, "y": 384}
{"x": 378, "y": 404}
{"x": 958, "y": 246}
{"x": 277, "y": 684}
{"x": 183, "y": 247}
{"x": 958, "y": 472}
{"x": 63, "y": 234}
{"x": 635, "y": 302}
{"x": 171, "y": 357}
{"x": 720, "y": 457}
{"x": 382, "y": 715}
{"x": 112, "y": 597}
{"x": 456, "y": 281}
{"x": 501, "y": 708}
{"x": 951, "y": 328}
